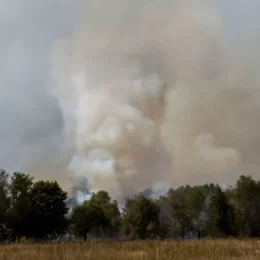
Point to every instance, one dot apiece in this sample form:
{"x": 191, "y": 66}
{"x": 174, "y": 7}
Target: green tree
{"x": 48, "y": 210}
{"x": 4, "y": 205}
{"x": 179, "y": 213}
{"x": 141, "y": 217}
{"x": 165, "y": 221}
{"x": 21, "y": 206}
{"x": 87, "y": 217}
{"x": 110, "y": 209}
{"x": 196, "y": 206}
{"x": 246, "y": 198}
{"x": 221, "y": 215}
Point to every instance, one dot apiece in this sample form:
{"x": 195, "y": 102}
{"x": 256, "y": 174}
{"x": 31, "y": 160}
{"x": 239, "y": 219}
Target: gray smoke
{"x": 152, "y": 95}
{"x": 147, "y": 94}
{"x": 31, "y": 122}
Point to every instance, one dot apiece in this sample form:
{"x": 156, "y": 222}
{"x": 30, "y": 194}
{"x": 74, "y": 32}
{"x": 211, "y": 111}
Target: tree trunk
{"x": 199, "y": 234}
{"x": 85, "y": 237}
{"x": 183, "y": 234}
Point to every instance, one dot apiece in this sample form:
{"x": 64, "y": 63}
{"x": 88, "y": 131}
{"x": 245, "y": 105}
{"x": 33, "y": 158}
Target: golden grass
{"x": 138, "y": 250}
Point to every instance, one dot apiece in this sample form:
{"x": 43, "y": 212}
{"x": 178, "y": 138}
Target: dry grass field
{"x": 167, "y": 250}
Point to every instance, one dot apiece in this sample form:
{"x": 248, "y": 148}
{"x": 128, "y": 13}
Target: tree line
{"x": 39, "y": 210}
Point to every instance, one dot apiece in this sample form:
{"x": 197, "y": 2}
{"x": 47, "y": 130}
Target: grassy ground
{"x": 169, "y": 250}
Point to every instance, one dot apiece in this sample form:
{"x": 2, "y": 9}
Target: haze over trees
{"x": 39, "y": 210}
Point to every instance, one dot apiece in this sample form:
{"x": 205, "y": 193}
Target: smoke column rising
{"x": 152, "y": 96}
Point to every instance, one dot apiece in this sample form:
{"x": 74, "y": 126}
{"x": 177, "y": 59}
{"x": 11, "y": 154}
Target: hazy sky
{"x": 31, "y": 122}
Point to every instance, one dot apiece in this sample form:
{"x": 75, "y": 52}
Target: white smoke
{"x": 151, "y": 95}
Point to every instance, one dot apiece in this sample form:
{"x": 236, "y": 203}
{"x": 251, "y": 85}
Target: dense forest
{"x": 40, "y": 211}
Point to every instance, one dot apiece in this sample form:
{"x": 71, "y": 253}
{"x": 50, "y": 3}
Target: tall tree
{"x": 87, "y": 217}
{"x": 4, "y": 205}
{"x": 247, "y": 203}
{"x": 165, "y": 221}
{"x": 20, "y": 210}
{"x": 221, "y": 215}
{"x": 196, "y": 206}
{"x": 110, "y": 209}
{"x": 48, "y": 210}
{"x": 141, "y": 217}
{"x": 179, "y": 212}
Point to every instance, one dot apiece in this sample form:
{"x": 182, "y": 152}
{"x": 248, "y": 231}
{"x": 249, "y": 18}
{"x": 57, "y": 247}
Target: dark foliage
{"x": 39, "y": 210}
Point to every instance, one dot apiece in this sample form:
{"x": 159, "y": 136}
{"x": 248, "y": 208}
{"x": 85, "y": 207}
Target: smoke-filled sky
{"x": 131, "y": 94}
{"x": 31, "y": 125}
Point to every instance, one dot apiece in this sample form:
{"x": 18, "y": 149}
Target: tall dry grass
{"x": 138, "y": 250}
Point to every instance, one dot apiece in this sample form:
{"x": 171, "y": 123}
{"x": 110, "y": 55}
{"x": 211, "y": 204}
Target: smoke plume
{"x": 152, "y": 96}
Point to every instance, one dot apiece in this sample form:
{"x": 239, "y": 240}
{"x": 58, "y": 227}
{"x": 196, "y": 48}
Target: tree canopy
{"x": 48, "y": 209}
{"x": 141, "y": 217}
{"x": 39, "y": 210}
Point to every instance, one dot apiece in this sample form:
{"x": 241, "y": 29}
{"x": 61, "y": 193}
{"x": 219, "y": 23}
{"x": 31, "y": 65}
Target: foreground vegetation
{"x": 41, "y": 211}
{"x": 164, "y": 250}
